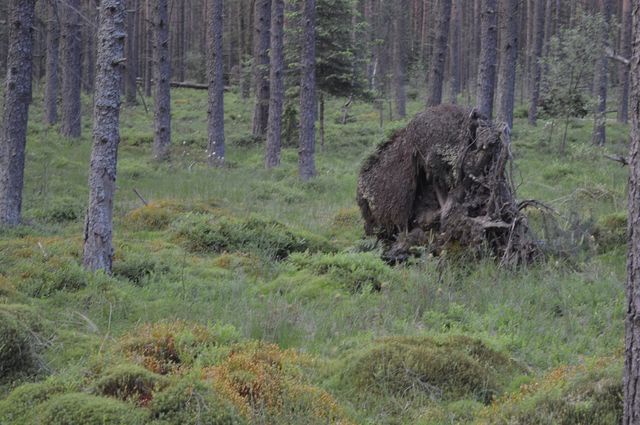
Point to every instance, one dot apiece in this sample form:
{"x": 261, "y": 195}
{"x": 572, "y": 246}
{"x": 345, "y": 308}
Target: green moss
{"x": 611, "y": 231}
{"x": 207, "y": 233}
{"x": 450, "y": 368}
{"x": 193, "y": 402}
{"x": 128, "y": 382}
{"x": 59, "y": 210}
{"x": 43, "y": 282}
{"x": 21, "y": 404}
{"x": 85, "y": 409}
{"x": 22, "y": 338}
{"x": 137, "y": 267}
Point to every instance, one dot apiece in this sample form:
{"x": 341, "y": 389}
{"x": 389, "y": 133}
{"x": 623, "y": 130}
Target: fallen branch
{"x": 144, "y": 201}
{"x": 618, "y": 158}
{"x": 621, "y": 59}
{"x": 185, "y": 85}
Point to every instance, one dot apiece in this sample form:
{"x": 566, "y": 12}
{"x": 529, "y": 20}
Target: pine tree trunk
{"x": 215, "y": 151}
{"x": 276, "y": 99}
{"x": 306, "y": 158}
{"x": 15, "y": 110}
{"x": 88, "y": 36}
{"x": 488, "y": 57}
{"x": 538, "y": 39}
{"x": 262, "y": 39}
{"x": 53, "y": 63}
{"x": 508, "y": 62}
{"x": 631, "y": 383}
{"x": 456, "y": 16}
{"x": 602, "y": 80}
{"x": 98, "y": 248}
{"x": 436, "y": 74}
{"x": 180, "y": 41}
{"x": 71, "y": 48}
{"x": 162, "y": 99}
{"x": 148, "y": 75}
{"x": 625, "y": 51}
{"x": 132, "y": 57}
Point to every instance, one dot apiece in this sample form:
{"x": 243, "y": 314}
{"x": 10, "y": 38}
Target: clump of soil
{"x": 441, "y": 183}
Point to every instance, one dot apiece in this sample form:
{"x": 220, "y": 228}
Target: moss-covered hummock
{"x": 23, "y": 335}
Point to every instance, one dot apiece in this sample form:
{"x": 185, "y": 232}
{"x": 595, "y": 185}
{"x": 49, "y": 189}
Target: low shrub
{"x": 136, "y": 268}
{"x": 128, "y": 382}
{"x": 85, "y": 409}
{"x": 610, "y": 231}
{"x": 154, "y": 216}
{"x": 450, "y": 368}
{"x": 206, "y": 233}
{"x": 43, "y": 282}
{"x": 22, "y": 403}
{"x": 59, "y": 210}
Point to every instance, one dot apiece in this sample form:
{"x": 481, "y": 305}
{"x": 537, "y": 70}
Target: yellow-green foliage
{"x": 611, "y": 231}
{"x": 191, "y": 401}
{"x": 43, "y": 282}
{"x": 7, "y": 289}
{"x": 137, "y": 267}
{"x": 85, "y": 409}
{"x": 167, "y": 347}
{"x": 128, "y": 382}
{"x": 268, "y": 384}
{"x": 587, "y": 394}
{"x": 22, "y": 337}
{"x": 208, "y": 233}
{"x": 449, "y": 368}
{"x": 157, "y": 215}
{"x": 59, "y": 210}
{"x": 21, "y": 404}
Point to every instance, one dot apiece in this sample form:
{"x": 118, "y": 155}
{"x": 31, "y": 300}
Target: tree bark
{"x": 53, "y": 63}
{"x": 488, "y": 57}
{"x": 436, "y": 74}
{"x": 625, "y": 51}
{"x": 456, "y": 16}
{"x": 537, "y": 39}
{"x": 400, "y": 41}
{"x": 261, "y": 42}
{"x": 180, "y": 41}
{"x": 602, "y": 80}
{"x": 132, "y": 57}
{"x": 15, "y": 110}
{"x": 88, "y": 36}
{"x": 98, "y": 248}
{"x": 215, "y": 151}
{"x": 71, "y": 47}
{"x": 306, "y": 154}
{"x": 162, "y": 100}
{"x": 631, "y": 383}
{"x": 276, "y": 98}
{"x": 148, "y": 75}
{"x": 508, "y": 62}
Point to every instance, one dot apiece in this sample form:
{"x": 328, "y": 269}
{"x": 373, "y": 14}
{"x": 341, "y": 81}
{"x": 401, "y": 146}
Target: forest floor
{"x": 242, "y": 294}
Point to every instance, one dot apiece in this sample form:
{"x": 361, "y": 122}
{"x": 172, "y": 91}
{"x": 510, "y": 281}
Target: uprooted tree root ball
{"x": 442, "y": 183}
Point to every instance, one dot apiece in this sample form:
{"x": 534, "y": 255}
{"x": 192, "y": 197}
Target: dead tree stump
{"x": 442, "y": 183}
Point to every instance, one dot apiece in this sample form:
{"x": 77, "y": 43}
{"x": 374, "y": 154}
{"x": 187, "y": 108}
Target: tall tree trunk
{"x": 53, "y": 63}
{"x": 602, "y": 77}
{"x": 15, "y": 110}
{"x": 276, "y": 99}
{"x": 261, "y": 42}
{"x": 132, "y": 54}
{"x": 148, "y": 75}
{"x": 625, "y": 50}
{"x": 508, "y": 62}
{"x": 70, "y": 125}
{"x": 436, "y": 74}
{"x": 88, "y": 35}
{"x": 631, "y": 415}
{"x": 215, "y": 151}
{"x": 488, "y": 57}
{"x": 400, "y": 41}
{"x": 538, "y": 39}
{"x": 306, "y": 153}
{"x": 180, "y": 41}
{"x": 98, "y": 248}
{"x": 456, "y": 16}
{"x": 162, "y": 100}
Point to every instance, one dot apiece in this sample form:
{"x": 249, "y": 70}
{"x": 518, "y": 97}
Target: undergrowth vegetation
{"x": 243, "y": 296}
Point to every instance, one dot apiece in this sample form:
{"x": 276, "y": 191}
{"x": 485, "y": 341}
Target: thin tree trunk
{"x": 215, "y": 151}
{"x": 180, "y": 41}
{"x": 306, "y": 158}
{"x": 602, "y": 77}
{"x": 508, "y": 62}
{"x": 538, "y": 38}
{"x": 625, "y": 51}
{"x": 148, "y": 75}
{"x": 53, "y": 63}
{"x": 162, "y": 116}
{"x": 399, "y": 52}
{"x": 71, "y": 47}
{"x": 261, "y": 66}
{"x": 456, "y": 16}
{"x": 98, "y": 248}
{"x": 276, "y": 99}
{"x": 321, "y": 119}
{"x": 488, "y": 57}
{"x": 15, "y": 110}
{"x": 89, "y": 58}
{"x": 631, "y": 383}
{"x": 436, "y": 75}
{"x": 132, "y": 60}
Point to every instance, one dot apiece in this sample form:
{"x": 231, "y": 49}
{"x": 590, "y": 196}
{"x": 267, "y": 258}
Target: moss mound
{"x": 45, "y": 281}
{"x": 451, "y": 368}
{"x": 20, "y": 405}
{"x": 587, "y": 394}
{"x": 22, "y": 338}
{"x": 207, "y": 233}
{"x": 128, "y": 383}
{"x": 157, "y": 215}
{"x": 137, "y": 267}
{"x": 611, "y": 231}
{"x": 192, "y": 402}
{"x": 79, "y": 408}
